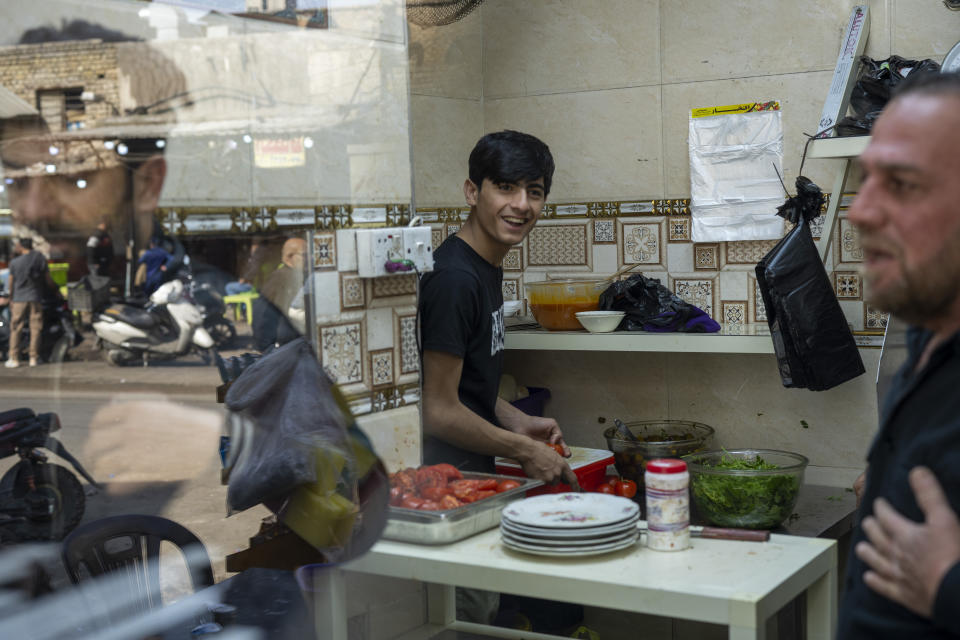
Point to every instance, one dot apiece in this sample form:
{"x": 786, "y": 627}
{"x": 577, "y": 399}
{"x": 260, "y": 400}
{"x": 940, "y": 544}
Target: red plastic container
{"x": 589, "y": 465}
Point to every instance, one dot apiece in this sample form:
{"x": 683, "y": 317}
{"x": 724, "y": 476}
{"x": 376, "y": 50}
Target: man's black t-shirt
{"x": 461, "y": 313}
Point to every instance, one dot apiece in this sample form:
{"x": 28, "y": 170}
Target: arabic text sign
{"x": 278, "y": 153}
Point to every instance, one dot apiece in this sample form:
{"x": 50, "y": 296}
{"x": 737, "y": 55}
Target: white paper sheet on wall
{"x": 734, "y": 159}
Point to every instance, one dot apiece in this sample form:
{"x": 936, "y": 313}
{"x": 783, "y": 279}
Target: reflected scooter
{"x": 169, "y": 327}
{"x": 38, "y": 500}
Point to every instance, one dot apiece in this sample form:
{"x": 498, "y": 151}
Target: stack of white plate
{"x": 570, "y": 524}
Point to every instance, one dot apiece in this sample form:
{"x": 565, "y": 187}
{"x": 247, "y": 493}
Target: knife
{"x": 722, "y": 533}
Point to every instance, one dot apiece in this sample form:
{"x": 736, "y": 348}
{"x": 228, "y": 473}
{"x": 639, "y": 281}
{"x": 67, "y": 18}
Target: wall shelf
{"x": 849, "y": 147}
{"x": 748, "y": 338}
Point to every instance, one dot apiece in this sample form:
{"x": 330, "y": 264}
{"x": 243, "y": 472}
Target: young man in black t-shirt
{"x": 461, "y": 315}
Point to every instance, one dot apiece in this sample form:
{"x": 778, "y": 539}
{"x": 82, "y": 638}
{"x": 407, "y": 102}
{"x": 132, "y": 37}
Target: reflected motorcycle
{"x": 171, "y": 325}
{"x": 211, "y": 304}
{"x": 38, "y": 500}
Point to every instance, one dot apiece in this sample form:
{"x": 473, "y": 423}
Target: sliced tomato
{"x": 626, "y": 488}
{"x": 481, "y": 495}
{"x": 406, "y": 480}
{"x": 605, "y": 488}
{"x": 411, "y": 502}
{"x": 430, "y": 505}
{"x": 435, "y": 493}
{"x": 487, "y": 484}
{"x": 396, "y": 496}
{"x": 449, "y": 471}
{"x": 449, "y": 502}
{"x": 506, "y": 485}
{"x": 430, "y": 477}
{"x": 465, "y": 483}
{"x": 556, "y": 447}
{"x": 465, "y": 493}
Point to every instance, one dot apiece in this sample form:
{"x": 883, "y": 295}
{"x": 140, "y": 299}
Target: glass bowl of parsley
{"x": 747, "y": 488}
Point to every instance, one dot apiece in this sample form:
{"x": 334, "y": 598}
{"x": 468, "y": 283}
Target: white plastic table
{"x": 739, "y": 584}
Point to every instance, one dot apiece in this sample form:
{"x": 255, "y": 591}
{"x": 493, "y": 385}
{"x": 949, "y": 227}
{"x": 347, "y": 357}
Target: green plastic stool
{"x": 58, "y": 272}
{"x": 242, "y": 300}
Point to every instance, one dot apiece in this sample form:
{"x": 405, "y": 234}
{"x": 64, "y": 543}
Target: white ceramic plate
{"x": 568, "y": 552}
{"x": 571, "y": 510}
{"x": 571, "y": 543}
{"x": 570, "y": 534}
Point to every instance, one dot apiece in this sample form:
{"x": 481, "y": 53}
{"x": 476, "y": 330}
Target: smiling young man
{"x": 461, "y": 315}
{"x": 462, "y": 331}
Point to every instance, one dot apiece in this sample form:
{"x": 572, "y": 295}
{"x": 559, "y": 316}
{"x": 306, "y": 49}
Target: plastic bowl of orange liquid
{"x": 555, "y": 303}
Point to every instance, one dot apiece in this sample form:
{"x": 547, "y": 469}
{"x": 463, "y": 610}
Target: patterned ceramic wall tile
{"x": 407, "y": 339}
{"x": 513, "y": 261}
{"x": 564, "y": 210}
{"x": 748, "y": 251}
{"x": 511, "y": 288}
{"x": 642, "y": 243}
{"x": 604, "y": 231}
{"x": 381, "y": 368}
{"x": 453, "y": 229}
{"x": 697, "y": 291}
{"x": 352, "y": 291}
{"x": 847, "y": 284}
{"x": 678, "y": 229}
{"x": 391, "y": 397}
{"x": 635, "y": 208}
{"x": 603, "y": 209}
{"x": 672, "y": 207}
{"x": 706, "y": 256}
{"x": 436, "y": 237}
{"x": 389, "y": 286}
{"x": 341, "y": 349}
{"x": 874, "y": 318}
{"x": 756, "y": 311}
{"x": 847, "y": 243}
{"x": 558, "y": 245}
{"x": 733, "y": 312}
{"x": 324, "y": 250}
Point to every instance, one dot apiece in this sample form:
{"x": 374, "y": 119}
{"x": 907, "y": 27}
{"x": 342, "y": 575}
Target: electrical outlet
{"x": 417, "y": 247}
{"x": 378, "y": 250}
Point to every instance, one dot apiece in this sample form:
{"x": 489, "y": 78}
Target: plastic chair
{"x": 58, "y": 272}
{"x": 131, "y": 544}
{"x": 244, "y": 300}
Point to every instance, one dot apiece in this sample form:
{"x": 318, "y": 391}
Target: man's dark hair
{"x": 156, "y": 68}
{"x": 73, "y": 30}
{"x": 26, "y": 243}
{"x": 511, "y": 156}
{"x": 929, "y": 83}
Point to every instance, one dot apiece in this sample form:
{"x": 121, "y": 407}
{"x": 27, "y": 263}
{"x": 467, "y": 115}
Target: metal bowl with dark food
{"x": 654, "y": 439}
{"x": 747, "y": 488}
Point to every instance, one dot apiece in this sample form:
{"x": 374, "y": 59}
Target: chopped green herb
{"x": 759, "y": 502}
{"x": 803, "y": 423}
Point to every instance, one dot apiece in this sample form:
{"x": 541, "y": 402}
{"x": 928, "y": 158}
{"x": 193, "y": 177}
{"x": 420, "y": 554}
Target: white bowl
{"x": 600, "y": 321}
{"x": 512, "y": 307}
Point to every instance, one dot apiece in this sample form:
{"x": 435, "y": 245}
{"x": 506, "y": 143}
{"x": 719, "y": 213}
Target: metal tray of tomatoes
{"x": 450, "y": 525}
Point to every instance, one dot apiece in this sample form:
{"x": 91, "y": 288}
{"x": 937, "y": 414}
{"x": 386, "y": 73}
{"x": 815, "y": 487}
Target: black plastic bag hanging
{"x": 813, "y": 343}
{"x": 650, "y": 306}
{"x": 876, "y": 84}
